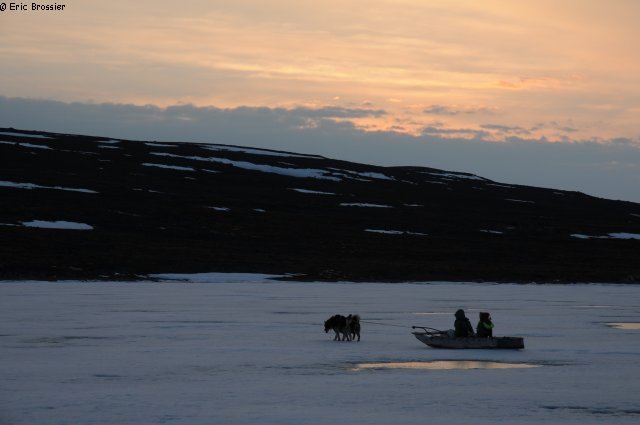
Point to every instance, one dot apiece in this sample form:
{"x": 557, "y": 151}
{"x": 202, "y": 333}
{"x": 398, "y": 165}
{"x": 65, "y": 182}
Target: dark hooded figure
{"x": 462, "y": 325}
{"x": 485, "y": 325}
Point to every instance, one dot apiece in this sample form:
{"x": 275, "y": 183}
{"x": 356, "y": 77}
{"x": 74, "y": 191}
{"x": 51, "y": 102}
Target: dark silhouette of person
{"x": 485, "y": 326}
{"x": 462, "y": 325}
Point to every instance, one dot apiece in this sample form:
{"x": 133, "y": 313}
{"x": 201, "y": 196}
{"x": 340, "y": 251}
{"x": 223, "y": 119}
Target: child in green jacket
{"x": 485, "y": 325}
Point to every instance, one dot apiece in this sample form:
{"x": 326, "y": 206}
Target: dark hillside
{"x": 186, "y": 208}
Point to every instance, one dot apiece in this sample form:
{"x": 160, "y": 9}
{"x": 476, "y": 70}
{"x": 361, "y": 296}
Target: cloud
{"x": 250, "y": 111}
{"x": 590, "y": 166}
{"x": 505, "y": 129}
{"x": 454, "y": 110}
{"x": 439, "y": 131}
{"x": 527, "y": 83}
{"x": 555, "y": 126}
{"x": 335, "y": 112}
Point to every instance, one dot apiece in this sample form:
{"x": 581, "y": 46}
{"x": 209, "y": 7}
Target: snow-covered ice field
{"x": 256, "y": 353}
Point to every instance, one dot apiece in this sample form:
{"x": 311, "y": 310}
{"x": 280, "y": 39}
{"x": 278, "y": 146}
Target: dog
{"x": 353, "y": 325}
{"x": 338, "y": 324}
{"x": 346, "y": 328}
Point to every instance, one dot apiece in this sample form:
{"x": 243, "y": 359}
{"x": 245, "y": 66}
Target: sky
{"x": 545, "y": 93}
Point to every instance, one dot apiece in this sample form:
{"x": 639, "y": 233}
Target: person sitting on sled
{"x": 462, "y": 325}
{"x": 485, "y": 326}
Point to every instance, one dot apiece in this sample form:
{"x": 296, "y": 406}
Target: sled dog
{"x": 353, "y": 324}
{"x": 345, "y": 328}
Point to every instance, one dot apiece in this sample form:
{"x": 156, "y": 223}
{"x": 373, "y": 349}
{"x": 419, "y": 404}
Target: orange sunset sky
{"x": 541, "y": 71}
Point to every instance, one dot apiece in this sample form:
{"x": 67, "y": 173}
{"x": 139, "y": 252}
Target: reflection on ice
{"x": 625, "y": 325}
{"x": 443, "y": 365}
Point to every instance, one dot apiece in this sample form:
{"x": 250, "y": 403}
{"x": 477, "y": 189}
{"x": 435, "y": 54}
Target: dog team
{"x": 346, "y": 328}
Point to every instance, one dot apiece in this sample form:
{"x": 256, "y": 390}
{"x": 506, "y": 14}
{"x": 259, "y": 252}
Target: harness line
{"x": 383, "y": 324}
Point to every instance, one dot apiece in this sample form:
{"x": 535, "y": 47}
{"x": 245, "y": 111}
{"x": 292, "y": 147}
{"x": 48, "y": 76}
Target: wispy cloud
{"x": 460, "y": 132}
{"x": 457, "y": 110}
{"x": 563, "y": 128}
{"x": 505, "y": 129}
{"x": 527, "y": 83}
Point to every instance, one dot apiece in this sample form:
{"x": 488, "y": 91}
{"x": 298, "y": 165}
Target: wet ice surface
{"x": 256, "y": 353}
{"x": 443, "y": 365}
{"x": 626, "y": 326}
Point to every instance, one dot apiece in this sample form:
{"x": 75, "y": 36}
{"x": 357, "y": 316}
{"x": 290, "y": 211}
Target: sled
{"x": 440, "y": 339}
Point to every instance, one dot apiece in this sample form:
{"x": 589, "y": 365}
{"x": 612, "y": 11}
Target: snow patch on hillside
{"x": 291, "y": 172}
{"x": 168, "y": 167}
{"x": 254, "y": 151}
{"x": 395, "y": 232}
{"x": 216, "y": 277}
{"x": 621, "y": 235}
{"x": 63, "y": 225}
{"x": 312, "y": 192}
{"x": 359, "y": 175}
{"x": 364, "y": 205}
{"x": 32, "y": 146}
{"x": 30, "y": 135}
{"x": 506, "y": 186}
{"x": 160, "y": 145}
{"x": 520, "y": 200}
{"x": 454, "y": 175}
{"x": 30, "y": 186}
